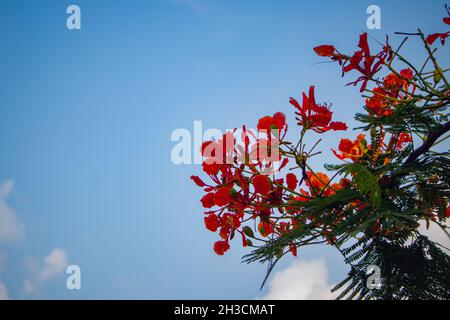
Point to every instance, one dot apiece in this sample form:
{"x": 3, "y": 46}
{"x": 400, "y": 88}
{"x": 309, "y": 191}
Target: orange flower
{"x": 317, "y": 182}
{"x": 341, "y": 185}
{"x": 393, "y": 83}
{"x": 377, "y": 103}
{"x": 352, "y": 149}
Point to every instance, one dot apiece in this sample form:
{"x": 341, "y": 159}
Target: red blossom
{"x": 403, "y": 139}
{"x": 280, "y": 120}
{"x": 407, "y": 73}
{"x": 198, "y": 181}
{"x": 293, "y": 249}
{"x": 433, "y": 37}
{"x": 277, "y": 121}
{"x": 210, "y": 168}
{"x": 220, "y": 247}
{"x": 314, "y": 116}
{"x": 231, "y": 220}
{"x": 291, "y": 181}
{"x": 208, "y": 200}
{"x": 262, "y": 184}
{"x": 325, "y": 51}
{"x": 212, "y": 222}
{"x": 343, "y": 183}
{"x": 363, "y": 62}
{"x": 222, "y": 196}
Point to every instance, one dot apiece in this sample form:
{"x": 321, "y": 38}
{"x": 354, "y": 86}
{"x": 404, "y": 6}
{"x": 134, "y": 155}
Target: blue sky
{"x": 86, "y": 118}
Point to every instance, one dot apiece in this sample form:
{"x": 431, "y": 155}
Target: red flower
{"x": 393, "y": 83}
{"x": 262, "y": 184}
{"x": 222, "y": 196}
{"x": 343, "y": 183}
{"x": 277, "y": 121}
{"x": 220, "y": 247}
{"x": 377, "y": 103}
{"x": 291, "y": 181}
{"x": 407, "y": 73}
{"x": 403, "y": 138}
{"x": 231, "y": 220}
{"x": 433, "y": 37}
{"x": 264, "y": 123}
{"x": 210, "y": 168}
{"x": 325, "y": 50}
{"x": 314, "y": 116}
{"x": 365, "y": 63}
{"x": 352, "y": 149}
{"x": 293, "y": 249}
{"x": 212, "y": 222}
{"x": 198, "y": 181}
{"x": 447, "y": 19}
{"x": 208, "y": 200}
{"x": 265, "y": 228}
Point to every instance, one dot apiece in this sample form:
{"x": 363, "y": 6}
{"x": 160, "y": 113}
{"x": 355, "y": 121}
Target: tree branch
{"x": 431, "y": 139}
{"x": 388, "y": 182}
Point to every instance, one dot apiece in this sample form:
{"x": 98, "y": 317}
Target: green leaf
{"x": 365, "y": 182}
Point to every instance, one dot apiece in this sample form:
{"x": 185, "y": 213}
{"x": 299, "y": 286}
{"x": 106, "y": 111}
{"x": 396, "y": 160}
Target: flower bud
{"x": 248, "y": 231}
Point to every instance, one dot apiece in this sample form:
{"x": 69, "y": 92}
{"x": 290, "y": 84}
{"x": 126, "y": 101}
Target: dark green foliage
{"x": 420, "y": 270}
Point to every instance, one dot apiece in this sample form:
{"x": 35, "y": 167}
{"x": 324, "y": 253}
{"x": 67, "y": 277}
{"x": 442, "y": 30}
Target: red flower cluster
{"x": 245, "y": 191}
{"x": 362, "y": 60}
{"x": 314, "y": 116}
{"x": 442, "y": 36}
{"x": 386, "y": 96}
{"x": 241, "y": 183}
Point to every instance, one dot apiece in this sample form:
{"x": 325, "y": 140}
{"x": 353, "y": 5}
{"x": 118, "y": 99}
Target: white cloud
{"x": 302, "y": 280}
{"x": 435, "y": 233}
{"x": 11, "y": 229}
{"x": 52, "y": 265}
{"x": 3, "y": 292}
